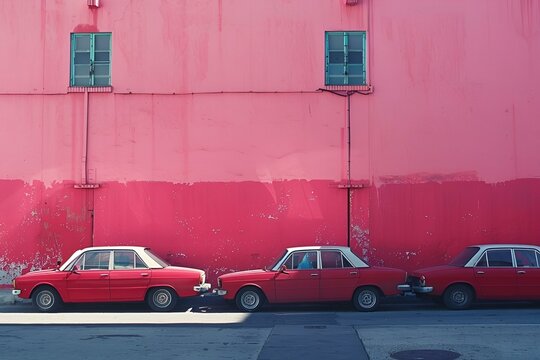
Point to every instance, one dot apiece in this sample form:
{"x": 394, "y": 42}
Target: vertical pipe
{"x": 349, "y": 202}
{"x": 84, "y": 161}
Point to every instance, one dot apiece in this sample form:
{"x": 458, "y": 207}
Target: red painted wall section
{"x": 221, "y": 226}
{"x": 40, "y": 225}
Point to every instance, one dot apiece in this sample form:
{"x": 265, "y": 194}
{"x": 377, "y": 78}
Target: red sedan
{"x": 312, "y": 274}
{"x": 111, "y": 274}
{"x": 483, "y": 272}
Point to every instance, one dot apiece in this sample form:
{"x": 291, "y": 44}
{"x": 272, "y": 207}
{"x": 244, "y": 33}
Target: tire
{"x": 46, "y": 299}
{"x": 162, "y": 299}
{"x": 366, "y": 298}
{"x": 458, "y": 297}
{"x": 249, "y": 299}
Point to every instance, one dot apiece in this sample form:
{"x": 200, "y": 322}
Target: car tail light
{"x": 422, "y": 280}
{"x": 202, "y": 277}
{"x": 219, "y": 282}
{"x": 14, "y": 284}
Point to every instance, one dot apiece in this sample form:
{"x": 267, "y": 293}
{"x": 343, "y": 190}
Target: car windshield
{"x": 157, "y": 259}
{"x": 465, "y": 256}
{"x": 278, "y": 259}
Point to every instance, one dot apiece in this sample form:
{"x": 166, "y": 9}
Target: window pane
{"x": 346, "y": 263}
{"x": 336, "y": 70}
{"x": 335, "y": 80}
{"x": 139, "y": 264}
{"x": 331, "y": 259}
{"x": 102, "y": 41}
{"x": 309, "y": 260}
{"x": 526, "y": 258}
{"x": 124, "y": 260}
{"x": 82, "y": 70}
{"x": 335, "y": 41}
{"x": 101, "y": 70}
{"x": 482, "y": 262}
{"x": 96, "y": 260}
{"x": 82, "y": 81}
{"x": 356, "y": 80}
{"x": 356, "y": 41}
{"x": 82, "y": 58}
{"x": 336, "y": 57}
{"x": 82, "y": 42}
{"x": 355, "y": 70}
{"x": 102, "y": 56}
{"x": 101, "y": 81}
{"x": 500, "y": 258}
{"x": 355, "y": 57}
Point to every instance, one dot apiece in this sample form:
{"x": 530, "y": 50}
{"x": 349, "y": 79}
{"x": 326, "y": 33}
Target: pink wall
{"x": 216, "y": 149}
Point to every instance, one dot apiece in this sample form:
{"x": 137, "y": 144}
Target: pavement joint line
{"x": 360, "y": 327}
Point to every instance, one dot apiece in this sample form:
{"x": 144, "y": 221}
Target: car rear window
{"x": 465, "y": 256}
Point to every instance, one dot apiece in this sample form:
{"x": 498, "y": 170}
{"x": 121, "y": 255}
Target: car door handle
{"x": 314, "y": 274}
{"x": 144, "y": 274}
{"x": 354, "y": 272}
{"x": 103, "y": 275}
{"x": 521, "y": 272}
{"x": 480, "y": 272}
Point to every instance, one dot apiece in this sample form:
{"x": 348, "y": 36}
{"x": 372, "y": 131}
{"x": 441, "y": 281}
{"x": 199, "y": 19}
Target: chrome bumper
{"x": 404, "y": 287}
{"x": 16, "y": 292}
{"x": 202, "y": 287}
{"x": 422, "y": 289}
{"x": 220, "y": 292}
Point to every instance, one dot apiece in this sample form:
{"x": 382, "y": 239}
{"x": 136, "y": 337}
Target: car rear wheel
{"x": 46, "y": 299}
{"x": 366, "y": 298}
{"x": 458, "y": 297}
{"x": 161, "y": 299}
{"x": 249, "y": 299}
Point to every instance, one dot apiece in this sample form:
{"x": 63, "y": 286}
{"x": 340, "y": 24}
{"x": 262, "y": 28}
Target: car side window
{"x": 94, "y": 260}
{"x": 124, "y": 260}
{"x": 499, "y": 258}
{"x": 302, "y": 260}
{"x": 483, "y": 261}
{"x": 334, "y": 260}
{"x": 526, "y": 258}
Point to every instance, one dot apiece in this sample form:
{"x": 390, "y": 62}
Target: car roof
{"x": 322, "y": 247}
{"x": 120, "y": 247}
{"x": 501, "y": 246}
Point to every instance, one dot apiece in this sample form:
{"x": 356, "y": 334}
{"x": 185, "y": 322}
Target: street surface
{"x": 210, "y": 328}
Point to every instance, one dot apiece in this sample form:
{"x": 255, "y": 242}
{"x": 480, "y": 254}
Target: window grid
{"x": 345, "y": 58}
{"x": 90, "y": 59}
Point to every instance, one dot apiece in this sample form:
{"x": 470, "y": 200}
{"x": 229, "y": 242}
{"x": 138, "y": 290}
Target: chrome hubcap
{"x": 45, "y": 299}
{"x": 250, "y": 300}
{"x": 459, "y": 297}
{"x": 367, "y": 299}
{"x": 162, "y": 298}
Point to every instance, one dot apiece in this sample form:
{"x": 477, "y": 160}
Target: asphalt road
{"x": 213, "y": 329}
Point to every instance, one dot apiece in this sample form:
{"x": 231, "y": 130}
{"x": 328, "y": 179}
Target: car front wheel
{"x": 366, "y": 298}
{"x": 46, "y": 299}
{"x": 458, "y": 297}
{"x": 249, "y": 299}
{"x": 162, "y": 299}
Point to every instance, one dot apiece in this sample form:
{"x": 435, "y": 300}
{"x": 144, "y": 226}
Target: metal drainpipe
{"x": 349, "y": 192}
{"x": 84, "y": 162}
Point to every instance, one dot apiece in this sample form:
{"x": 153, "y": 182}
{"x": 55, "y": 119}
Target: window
{"x": 90, "y": 59}
{"x": 499, "y": 258}
{"x": 526, "y": 258}
{"x": 334, "y": 260}
{"x": 345, "y": 58}
{"x": 94, "y": 260}
{"x": 302, "y": 260}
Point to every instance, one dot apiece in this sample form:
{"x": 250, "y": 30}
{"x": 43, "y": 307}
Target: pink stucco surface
{"x": 216, "y": 146}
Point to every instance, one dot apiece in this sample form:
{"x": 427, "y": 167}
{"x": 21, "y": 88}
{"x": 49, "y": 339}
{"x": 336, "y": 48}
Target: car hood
{"x": 39, "y": 273}
{"x": 434, "y": 269}
{"x": 252, "y": 274}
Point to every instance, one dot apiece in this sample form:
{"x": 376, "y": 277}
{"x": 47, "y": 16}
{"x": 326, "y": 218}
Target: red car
{"x": 483, "y": 272}
{"x": 111, "y": 274}
{"x": 312, "y": 274}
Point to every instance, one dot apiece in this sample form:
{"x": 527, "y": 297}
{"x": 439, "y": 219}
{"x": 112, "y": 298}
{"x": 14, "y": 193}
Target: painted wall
{"x": 216, "y": 148}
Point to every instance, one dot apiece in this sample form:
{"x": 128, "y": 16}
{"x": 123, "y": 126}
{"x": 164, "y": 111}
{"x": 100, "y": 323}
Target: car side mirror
{"x": 283, "y": 269}
{"x": 58, "y": 263}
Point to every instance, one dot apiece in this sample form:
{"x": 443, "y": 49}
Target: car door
{"x": 528, "y": 273}
{"x": 88, "y": 280}
{"x": 300, "y": 281}
{"x": 338, "y": 277}
{"x": 495, "y": 275}
{"x": 129, "y": 277}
